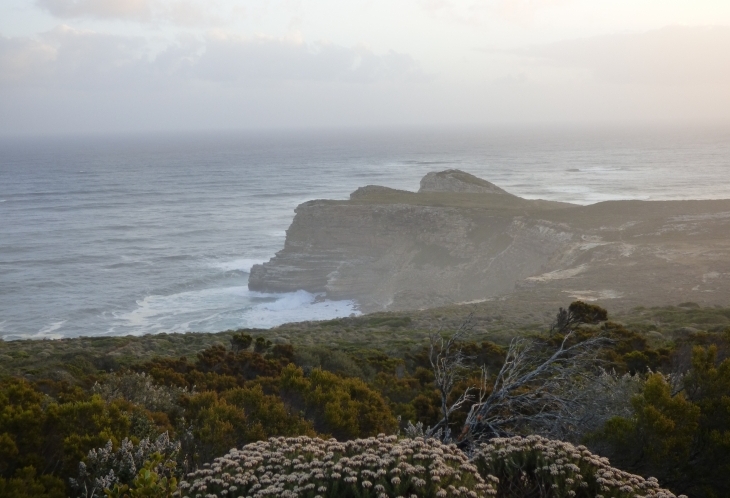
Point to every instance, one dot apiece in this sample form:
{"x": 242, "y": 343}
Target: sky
{"x": 109, "y": 66}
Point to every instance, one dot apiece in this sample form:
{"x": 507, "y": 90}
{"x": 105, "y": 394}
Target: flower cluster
{"x": 381, "y": 467}
{"x": 559, "y": 469}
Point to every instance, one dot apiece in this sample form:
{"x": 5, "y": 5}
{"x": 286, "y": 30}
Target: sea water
{"x": 147, "y": 234}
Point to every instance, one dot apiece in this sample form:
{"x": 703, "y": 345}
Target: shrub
{"x": 344, "y": 408}
{"x": 535, "y": 466}
{"x": 106, "y": 467}
{"x": 236, "y": 417}
{"x": 305, "y": 467}
{"x": 26, "y": 484}
{"x": 140, "y": 389}
{"x": 150, "y": 482}
{"x": 241, "y": 342}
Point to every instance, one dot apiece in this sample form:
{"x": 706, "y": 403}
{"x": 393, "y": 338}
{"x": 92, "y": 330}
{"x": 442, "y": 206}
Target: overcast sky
{"x": 138, "y": 65}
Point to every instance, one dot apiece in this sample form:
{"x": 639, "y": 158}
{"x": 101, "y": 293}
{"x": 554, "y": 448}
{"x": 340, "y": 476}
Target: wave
{"x": 242, "y": 265}
{"x": 217, "y": 309}
{"x": 47, "y": 332}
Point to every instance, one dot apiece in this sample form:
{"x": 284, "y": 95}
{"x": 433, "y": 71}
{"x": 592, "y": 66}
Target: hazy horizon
{"x": 120, "y": 66}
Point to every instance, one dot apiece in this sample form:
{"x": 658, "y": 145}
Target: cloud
{"x": 179, "y": 12}
{"x": 104, "y": 9}
{"x": 672, "y": 56}
{"x": 23, "y": 60}
{"x": 522, "y": 11}
{"x": 476, "y": 12}
{"x": 76, "y": 59}
{"x": 273, "y": 59}
{"x": 88, "y": 60}
{"x": 79, "y": 80}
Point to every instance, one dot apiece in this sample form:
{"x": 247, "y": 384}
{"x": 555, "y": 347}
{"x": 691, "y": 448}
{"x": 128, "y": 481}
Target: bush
{"x": 344, "y": 408}
{"x": 376, "y": 467}
{"x": 106, "y": 467}
{"x": 150, "y": 482}
{"x": 535, "y": 466}
{"x": 26, "y": 484}
{"x": 140, "y": 389}
{"x": 236, "y": 417}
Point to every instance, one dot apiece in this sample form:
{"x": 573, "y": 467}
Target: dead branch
{"x": 535, "y": 390}
{"x": 448, "y": 363}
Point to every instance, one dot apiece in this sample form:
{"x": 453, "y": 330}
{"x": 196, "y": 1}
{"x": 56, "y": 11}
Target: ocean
{"x": 149, "y": 234}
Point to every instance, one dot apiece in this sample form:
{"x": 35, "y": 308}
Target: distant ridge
{"x": 454, "y": 180}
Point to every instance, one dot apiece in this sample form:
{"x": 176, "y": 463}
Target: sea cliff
{"x": 462, "y": 239}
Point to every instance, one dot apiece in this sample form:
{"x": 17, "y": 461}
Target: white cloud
{"x": 234, "y": 58}
{"x": 89, "y": 60}
{"x": 75, "y": 59}
{"x": 71, "y": 79}
{"x": 24, "y": 59}
{"x": 672, "y": 56}
{"x": 123, "y": 9}
{"x": 521, "y": 12}
{"x": 178, "y": 12}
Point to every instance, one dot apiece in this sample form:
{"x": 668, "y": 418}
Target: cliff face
{"x": 462, "y": 239}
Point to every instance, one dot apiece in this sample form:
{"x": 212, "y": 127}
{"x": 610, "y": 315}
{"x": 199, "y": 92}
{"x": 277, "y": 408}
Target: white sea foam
{"x": 215, "y": 309}
{"x": 47, "y": 332}
{"x": 243, "y": 264}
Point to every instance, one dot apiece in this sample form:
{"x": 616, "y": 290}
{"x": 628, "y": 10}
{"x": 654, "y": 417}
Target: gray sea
{"x": 145, "y": 234}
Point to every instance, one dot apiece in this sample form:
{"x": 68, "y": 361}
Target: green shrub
{"x": 345, "y": 408}
{"x": 236, "y": 417}
{"x": 150, "y": 482}
{"x": 26, "y": 484}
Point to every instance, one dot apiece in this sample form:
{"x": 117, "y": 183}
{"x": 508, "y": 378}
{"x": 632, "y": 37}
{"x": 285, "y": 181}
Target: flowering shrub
{"x": 105, "y": 467}
{"x": 314, "y": 468}
{"x": 535, "y": 466}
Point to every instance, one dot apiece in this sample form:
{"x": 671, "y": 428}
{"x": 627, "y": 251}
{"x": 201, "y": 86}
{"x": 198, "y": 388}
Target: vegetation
{"x": 307, "y": 467}
{"x": 388, "y": 467}
{"x": 130, "y": 416}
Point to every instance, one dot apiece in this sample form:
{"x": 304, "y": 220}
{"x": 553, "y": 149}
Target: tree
{"x": 536, "y": 390}
{"x": 679, "y": 428}
{"x": 578, "y": 313}
{"x": 448, "y": 363}
{"x": 241, "y": 342}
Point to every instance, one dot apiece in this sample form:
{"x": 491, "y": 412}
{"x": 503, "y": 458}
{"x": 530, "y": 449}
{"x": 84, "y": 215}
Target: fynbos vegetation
{"x": 155, "y": 426}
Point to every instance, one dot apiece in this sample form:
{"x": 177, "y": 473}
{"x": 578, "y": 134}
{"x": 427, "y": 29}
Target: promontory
{"x": 462, "y": 239}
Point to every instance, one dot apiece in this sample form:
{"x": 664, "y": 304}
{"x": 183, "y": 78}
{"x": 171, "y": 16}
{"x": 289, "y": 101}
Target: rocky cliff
{"x": 461, "y": 239}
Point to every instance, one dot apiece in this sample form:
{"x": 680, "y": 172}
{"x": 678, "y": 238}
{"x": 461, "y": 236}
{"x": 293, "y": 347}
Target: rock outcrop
{"x": 461, "y": 239}
{"x": 454, "y": 180}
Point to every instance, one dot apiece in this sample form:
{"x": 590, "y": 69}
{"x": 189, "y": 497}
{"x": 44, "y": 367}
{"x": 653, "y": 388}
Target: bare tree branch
{"x": 448, "y": 363}
{"x": 536, "y": 390}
